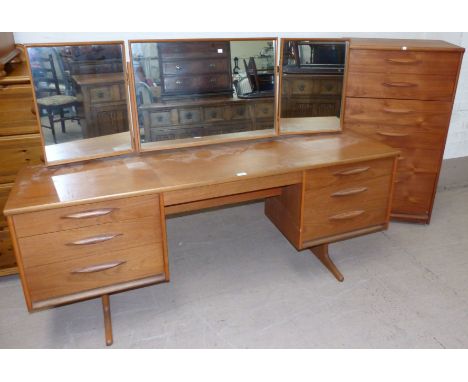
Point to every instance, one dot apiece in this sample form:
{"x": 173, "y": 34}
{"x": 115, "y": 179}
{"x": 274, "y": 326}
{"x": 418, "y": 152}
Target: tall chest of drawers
{"x": 401, "y": 92}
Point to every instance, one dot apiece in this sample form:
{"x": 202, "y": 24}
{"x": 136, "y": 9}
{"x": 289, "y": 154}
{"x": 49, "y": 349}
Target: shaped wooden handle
{"x": 403, "y": 61}
{"x": 392, "y": 134}
{"x": 90, "y": 213}
{"x": 347, "y": 215}
{"x": 400, "y": 84}
{"x": 398, "y": 111}
{"x": 95, "y": 239}
{"x": 99, "y": 267}
{"x": 350, "y": 191}
{"x": 353, "y": 171}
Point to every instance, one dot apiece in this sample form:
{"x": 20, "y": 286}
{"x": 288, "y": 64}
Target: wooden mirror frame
{"x": 103, "y": 140}
{"x": 191, "y": 142}
{"x": 280, "y": 90}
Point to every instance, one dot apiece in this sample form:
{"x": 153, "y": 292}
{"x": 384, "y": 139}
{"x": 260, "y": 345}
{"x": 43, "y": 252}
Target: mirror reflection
{"x": 188, "y": 90}
{"x": 312, "y": 85}
{"x": 80, "y": 96}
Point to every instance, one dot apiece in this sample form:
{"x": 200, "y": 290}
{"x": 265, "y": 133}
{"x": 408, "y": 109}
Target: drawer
{"x": 160, "y": 118}
{"x": 7, "y": 256}
{"x": 401, "y": 86}
{"x": 419, "y": 160}
{"x": 213, "y": 114}
{"x": 17, "y": 110}
{"x": 197, "y": 84}
{"x": 240, "y": 112}
{"x": 85, "y": 215}
{"x": 80, "y": 243}
{"x": 193, "y": 49}
{"x": 345, "y": 176}
{"x": 16, "y": 152}
{"x": 184, "y": 67}
{"x": 388, "y": 61}
{"x": 189, "y": 116}
{"x": 100, "y": 270}
{"x": 107, "y": 93}
{"x": 264, "y": 110}
{"x": 4, "y": 192}
{"x": 398, "y": 112}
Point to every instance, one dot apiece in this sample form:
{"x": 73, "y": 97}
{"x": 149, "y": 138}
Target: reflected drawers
{"x": 342, "y": 199}
{"x": 67, "y": 251}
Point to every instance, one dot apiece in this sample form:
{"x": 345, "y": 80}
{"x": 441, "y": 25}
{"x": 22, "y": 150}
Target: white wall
{"x": 457, "y": 141}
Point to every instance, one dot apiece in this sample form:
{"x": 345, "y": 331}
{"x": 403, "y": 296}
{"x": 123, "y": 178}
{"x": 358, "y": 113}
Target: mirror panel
{"x": 312, "y": 85}
{"x": 203, "y": 91}
{"x": 81, "y": 100}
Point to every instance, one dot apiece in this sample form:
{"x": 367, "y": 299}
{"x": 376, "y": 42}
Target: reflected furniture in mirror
{"x": 194, "y": 92}
{"x": 311, "y": 81}
{"x": 81, "y": 87}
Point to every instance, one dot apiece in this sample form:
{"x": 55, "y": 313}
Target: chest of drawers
{"x": 401, "y": 93}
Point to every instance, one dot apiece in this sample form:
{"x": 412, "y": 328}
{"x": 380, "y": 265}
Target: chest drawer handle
{"x": 353, "y": 171}
{"x": 390, "y": 134}
{"x": 403, "y": 61}
{"x": 95, "y": 239}
{"x": 99, "y": 267}
{"x": 398, "y": 111}
{"x": 90, "y": 213}
{"x": 347, "y": 215}
{"x": 400, "y": 84}
{"x": 350, "y": 191}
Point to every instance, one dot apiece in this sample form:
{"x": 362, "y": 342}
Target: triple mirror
{"x": 81, "y": 100}
{"x": 201, "y": 91}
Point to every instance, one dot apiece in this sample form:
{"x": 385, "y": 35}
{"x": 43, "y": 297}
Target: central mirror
{"x": 81, "y": 100}
{"x": 313, "y": 73}
{"x": 203, "y": 91}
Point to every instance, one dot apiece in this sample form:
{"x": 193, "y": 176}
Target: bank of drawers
{"x": 346, "y": 198}
{"x": 77, "y": 249}
{"x": 404, "y": 99}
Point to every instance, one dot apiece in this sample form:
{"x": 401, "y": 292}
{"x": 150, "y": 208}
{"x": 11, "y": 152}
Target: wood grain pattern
{"x": 16, "y": 110}
{"x": 409, "y": 44}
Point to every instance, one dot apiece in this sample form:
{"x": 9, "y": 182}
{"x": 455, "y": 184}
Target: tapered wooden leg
{"x": 107, "y": 319}
{"x": 321, "y": 251}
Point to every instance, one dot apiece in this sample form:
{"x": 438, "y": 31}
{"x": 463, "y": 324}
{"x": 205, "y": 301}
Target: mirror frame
{"x": 173, "y": 144}
{"x": 343, "y": 93}
{"x": 89, "y": 157}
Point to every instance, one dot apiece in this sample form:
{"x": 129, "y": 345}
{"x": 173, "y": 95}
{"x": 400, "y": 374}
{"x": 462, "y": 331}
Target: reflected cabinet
{"x": 81, "y": 99}
{"x": 201, "y": 91}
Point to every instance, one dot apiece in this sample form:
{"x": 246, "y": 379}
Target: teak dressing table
{"x": 91, "y": 229}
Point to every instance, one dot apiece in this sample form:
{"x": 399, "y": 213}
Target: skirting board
{"x": 453, "y": 174}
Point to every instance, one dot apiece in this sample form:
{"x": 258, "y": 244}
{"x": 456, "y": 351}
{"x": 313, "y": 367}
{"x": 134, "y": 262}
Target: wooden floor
{"x": 237, "y": 283}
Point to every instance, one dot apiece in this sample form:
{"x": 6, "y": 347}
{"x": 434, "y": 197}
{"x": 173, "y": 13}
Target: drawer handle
{"x": 391, "y": 134}
{"x": 350, "y": 191}
{"x": 398, "y": 111}
{"x": 178, "y": 82}
{"x": 95, "y": 239}
{"x": 90, "y": 213}
{"x": 99, "y": 267}
{"x": 347, "y": 215}
{"x": 178, "y": 67}
{"x": 212, "y": 65}
{"x": 400, "y": 84}
{"x": 353, "y": 171}
{"x": 403, "y": 61}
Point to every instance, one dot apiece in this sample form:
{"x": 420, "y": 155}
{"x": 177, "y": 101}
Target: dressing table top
{"x": 40, "y": 187}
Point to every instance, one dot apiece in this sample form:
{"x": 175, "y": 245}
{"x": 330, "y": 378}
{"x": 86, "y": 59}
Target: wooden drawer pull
{"x": 353, "y": 171}
{"x": 398, "y": 111}
{"x": 90, "y": 213}
{"x": 99, "y": 267}
{"x": 95, "y": 239}
{"x": 400, "y": 84}
{"x": 403, "y": 61}
{"x": 392, "y": 134}
{"x": 347, "y": 215}
{"x": 350, "y": 191}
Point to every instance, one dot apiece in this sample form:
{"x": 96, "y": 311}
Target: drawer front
{"x": 240, "y": 112}
{"x": 213, "y": 49}
{"x": 183, "y": 67}
{"x": 91, "y": 241}
{"x": 100, "y": 270}
{"x": 419, "y": 160}
{"x": 16, "y": 152}
{"x": 85, "y": 215}
{"x": 107, "y": 93}
{"x": 4, "y": 192}
{"x": 264, "y": 110}
{"x": 213, "y": 114}
{"x": 401, "y": 86}
{"x": 190, "y": 116}
{"x": 197, "y": 84}
{"x": 339, "y": 177}
{"x": 384, "y": 61}
{"x": 303, "y": 86}
{"x": 17, "y": 110}
{"x": 7, "y": 256}
{"x": 160, "y": 118}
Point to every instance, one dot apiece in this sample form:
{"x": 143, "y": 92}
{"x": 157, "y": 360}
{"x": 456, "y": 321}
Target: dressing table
{"x": 90, "y": 229}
